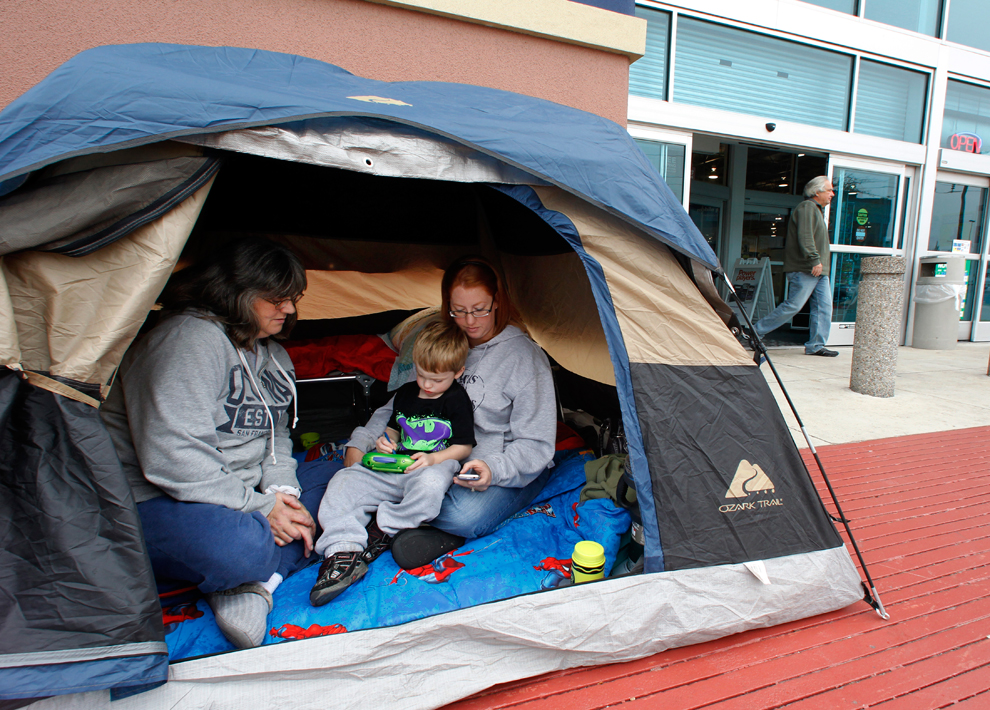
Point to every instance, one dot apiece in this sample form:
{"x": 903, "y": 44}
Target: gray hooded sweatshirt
{"x": 188, "y": 422}
{"x": 515, "y": 421}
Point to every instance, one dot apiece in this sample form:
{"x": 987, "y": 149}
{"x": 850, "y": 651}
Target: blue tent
{"x": 112, "y": 162}
{"x": 115, "y": 97}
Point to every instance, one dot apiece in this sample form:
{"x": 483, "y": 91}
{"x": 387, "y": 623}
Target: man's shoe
{"x": 378, "y": 541}
{"x": 420, "y": 546}
{"x": 338, "y": 571}
{"x": 825, "y": 352}
{"x": 242, "y": 613}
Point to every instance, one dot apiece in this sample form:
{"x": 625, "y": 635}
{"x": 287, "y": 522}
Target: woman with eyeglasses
{"x": 508, "y": 378}
{"x": 199, "y": 416}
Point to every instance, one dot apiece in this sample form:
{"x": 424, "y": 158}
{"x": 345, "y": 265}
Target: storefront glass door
{"x": 959, "y": 226}
{"x": 864, "y": 220}
{"x": 981, "y": 326}
{"x": 763, "y": 234}
{"x": 706, "y": 213}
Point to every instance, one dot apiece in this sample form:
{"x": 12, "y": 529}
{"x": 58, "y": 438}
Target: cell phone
{"x": 468, "y": 476}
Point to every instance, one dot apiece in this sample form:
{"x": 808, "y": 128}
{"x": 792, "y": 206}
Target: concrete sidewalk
{"x": 935, "y": 390}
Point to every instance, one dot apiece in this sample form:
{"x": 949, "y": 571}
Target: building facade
{"x": 739, "y": 104}
{"x": 573, "y": 52}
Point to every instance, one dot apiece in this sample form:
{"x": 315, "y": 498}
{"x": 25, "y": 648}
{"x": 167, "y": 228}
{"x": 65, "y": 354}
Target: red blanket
{"x": 347, "y": 353}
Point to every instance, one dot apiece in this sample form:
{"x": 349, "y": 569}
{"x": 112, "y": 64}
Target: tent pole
{"x": 761, "y": 354}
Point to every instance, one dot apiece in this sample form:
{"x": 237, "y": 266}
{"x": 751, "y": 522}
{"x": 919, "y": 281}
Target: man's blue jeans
{"x": 800, "y": 287}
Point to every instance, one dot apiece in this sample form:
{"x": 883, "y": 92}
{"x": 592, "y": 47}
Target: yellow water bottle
{"x": 587, "y": 562}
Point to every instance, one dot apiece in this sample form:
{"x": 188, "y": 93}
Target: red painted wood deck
{"x": 920, "y": 511}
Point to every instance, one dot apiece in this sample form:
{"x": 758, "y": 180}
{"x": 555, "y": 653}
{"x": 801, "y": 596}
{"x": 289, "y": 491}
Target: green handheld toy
{"x": 387, "y": 463}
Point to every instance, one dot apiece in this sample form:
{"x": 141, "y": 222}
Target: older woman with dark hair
{"x": 199, "y": 417}
{"x": 509, "y": 381}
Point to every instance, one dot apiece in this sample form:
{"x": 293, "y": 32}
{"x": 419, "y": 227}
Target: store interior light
{"x": 713, "y": 177}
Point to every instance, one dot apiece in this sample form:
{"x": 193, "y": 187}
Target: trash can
{"x": 937, "y": 296}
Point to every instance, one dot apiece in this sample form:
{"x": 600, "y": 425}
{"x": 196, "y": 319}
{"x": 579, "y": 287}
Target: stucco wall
{"x": 368, "y": 39}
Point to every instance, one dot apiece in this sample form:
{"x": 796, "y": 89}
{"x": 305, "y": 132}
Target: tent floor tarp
{"x": 529, "y": 553}
{"x": 502, "y": 641}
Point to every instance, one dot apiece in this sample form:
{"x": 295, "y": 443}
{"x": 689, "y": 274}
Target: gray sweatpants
{"x": 403, "y": 501}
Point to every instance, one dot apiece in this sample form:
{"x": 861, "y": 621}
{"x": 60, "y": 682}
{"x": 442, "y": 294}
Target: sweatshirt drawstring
{"x": 261, "y": 394}
{"x": 295, "y": 397}
{"x": 271, "y": 419}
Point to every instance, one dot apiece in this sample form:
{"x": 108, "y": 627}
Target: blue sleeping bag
{"x": 530, "y": 552}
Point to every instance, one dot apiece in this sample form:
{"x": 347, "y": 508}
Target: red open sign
{"x": 967, "y": 142}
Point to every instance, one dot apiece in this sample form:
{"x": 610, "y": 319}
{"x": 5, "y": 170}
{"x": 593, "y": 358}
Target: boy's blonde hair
{"x": 441, "y": 347}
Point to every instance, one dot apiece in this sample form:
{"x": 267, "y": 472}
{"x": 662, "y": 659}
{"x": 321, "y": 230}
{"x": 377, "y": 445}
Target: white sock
{"x": 272, "y": 584}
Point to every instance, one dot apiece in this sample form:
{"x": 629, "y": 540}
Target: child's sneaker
{"x": 338, "y": 571}
{"x": 378, "y": 541}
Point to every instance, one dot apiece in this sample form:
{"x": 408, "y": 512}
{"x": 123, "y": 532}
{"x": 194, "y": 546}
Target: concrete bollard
{"x": 878, "y": 326}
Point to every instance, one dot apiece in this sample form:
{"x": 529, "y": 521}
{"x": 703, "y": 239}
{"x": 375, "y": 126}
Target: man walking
{"x": 807, "y": 258}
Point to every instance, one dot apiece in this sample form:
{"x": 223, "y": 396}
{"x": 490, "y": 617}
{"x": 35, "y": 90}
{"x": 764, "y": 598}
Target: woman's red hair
{"x": 471, "y": 271}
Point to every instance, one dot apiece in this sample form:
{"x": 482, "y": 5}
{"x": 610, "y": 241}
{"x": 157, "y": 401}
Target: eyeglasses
{"x": 477, "y": 313}
{"x": 280, "y": 303}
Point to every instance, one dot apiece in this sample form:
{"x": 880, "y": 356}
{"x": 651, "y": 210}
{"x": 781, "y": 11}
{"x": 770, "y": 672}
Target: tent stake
{"x": 761, "y": 354}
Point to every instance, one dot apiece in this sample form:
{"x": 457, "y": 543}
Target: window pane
{"x": 707, "y": 219}
{"x": 763, "y": 234}
{"x": 735, "y": 70}
{"x": 905, "y": 199}
{"x": 845, "y": 286}
{"x": 809, "y": 166}
{"x": 648, "y": 74}
{"x": 916, "y": 15}
{"x": 967, "y": 24}
{"x": 709, "y": 167}
{"x": 780, "y": 171}
{"x": 863, "y": 208}
{"x": 846, "y": 6}
{"x": 985, "y": 310}
{"x": 668, "y": 159}
{"x": 890, "y": 102}
{"x": 958, "y": 213}
{"x": 770, "y": 171}
{"x": 970, "y": 276}
{"x": 967, "y": 111}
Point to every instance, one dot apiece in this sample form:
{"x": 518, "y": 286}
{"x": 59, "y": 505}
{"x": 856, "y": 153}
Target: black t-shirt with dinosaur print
{"x": 432, "y": 424}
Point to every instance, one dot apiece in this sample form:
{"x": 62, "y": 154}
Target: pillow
{"x": 401, "y": 339}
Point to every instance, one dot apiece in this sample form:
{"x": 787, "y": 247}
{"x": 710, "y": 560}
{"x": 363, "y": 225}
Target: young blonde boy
{"x": 432, "y": 421}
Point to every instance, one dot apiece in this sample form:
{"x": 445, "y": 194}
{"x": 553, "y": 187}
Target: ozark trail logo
{"x": 750, "y": 480}
{"x": 379, "y": 100}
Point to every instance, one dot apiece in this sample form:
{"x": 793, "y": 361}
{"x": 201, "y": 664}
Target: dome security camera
{"x": 771, "y": 127}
